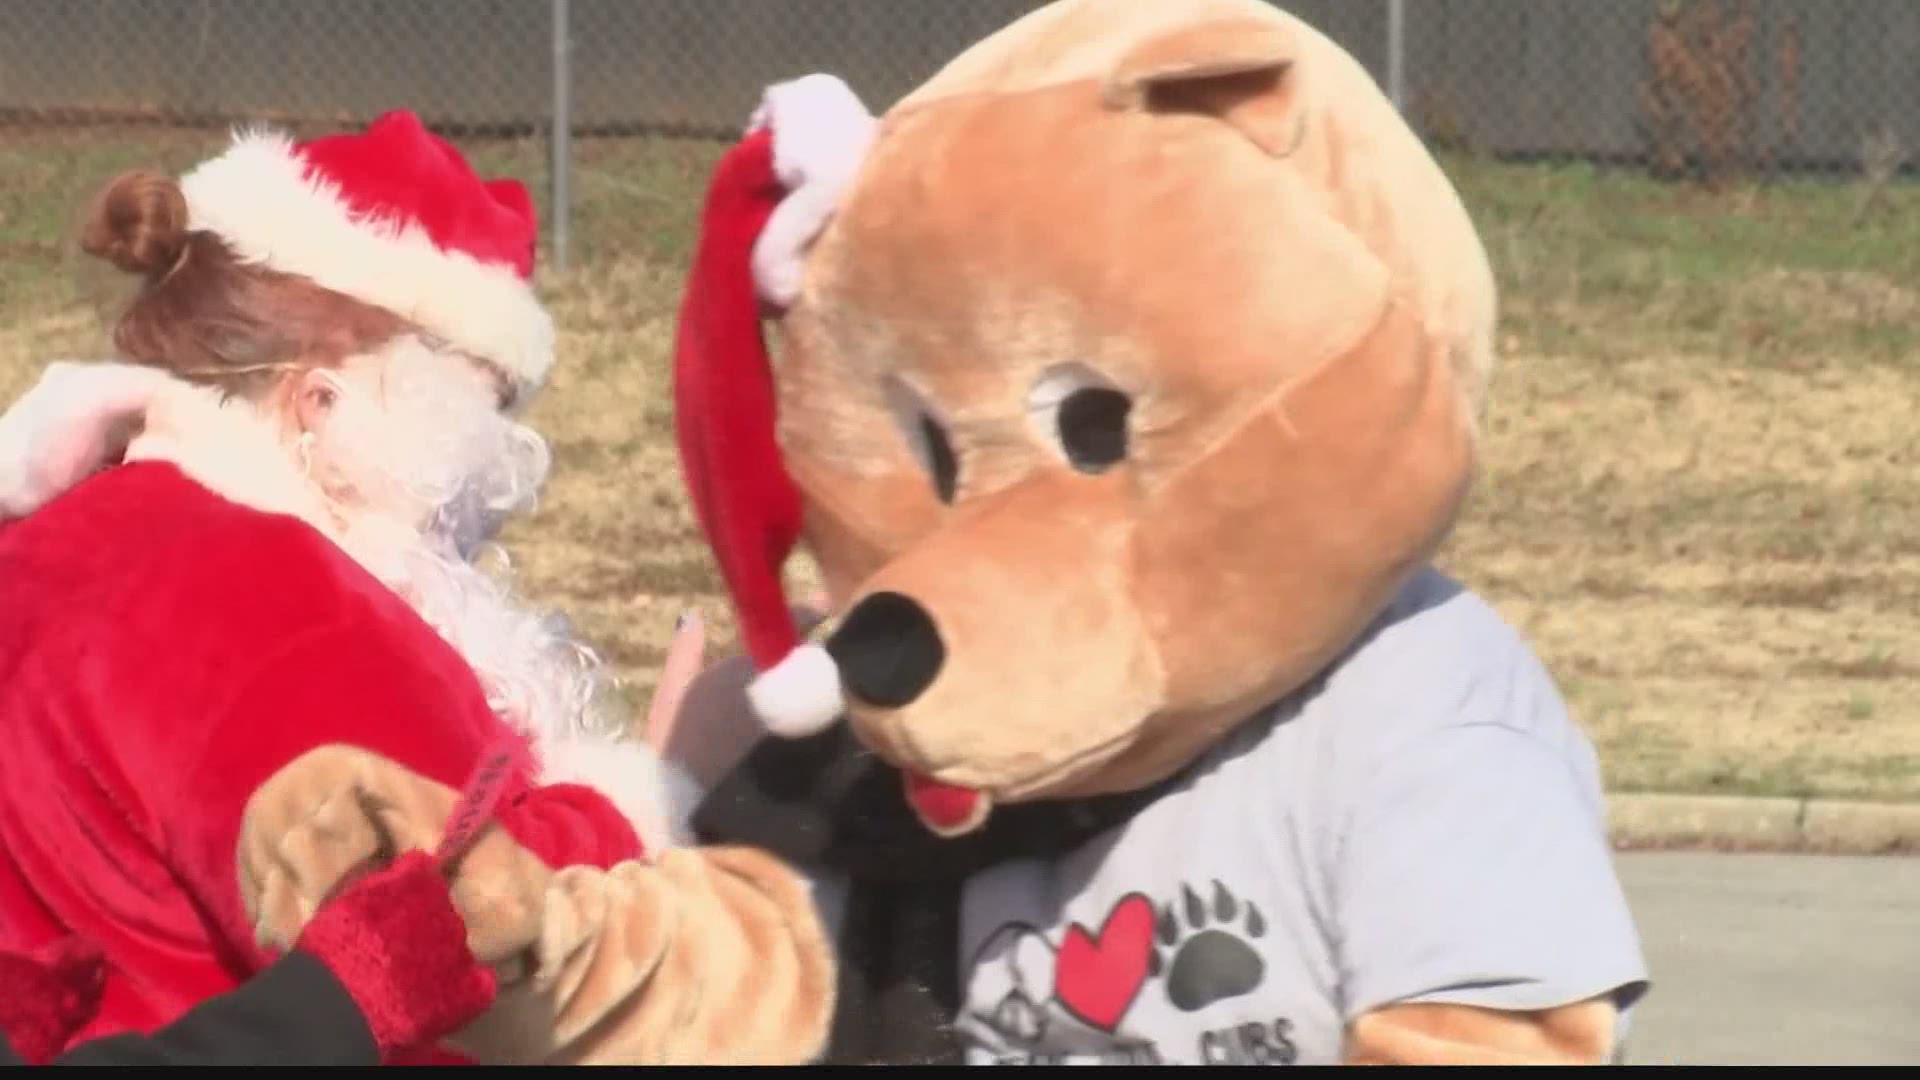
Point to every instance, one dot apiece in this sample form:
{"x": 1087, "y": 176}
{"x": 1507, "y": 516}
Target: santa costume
{"x": 181, "y": 632}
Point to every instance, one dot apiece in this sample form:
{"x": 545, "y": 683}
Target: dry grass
{"x": 1700, "y": 501}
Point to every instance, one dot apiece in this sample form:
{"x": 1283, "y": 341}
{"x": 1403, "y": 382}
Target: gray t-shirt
{"x": 1423, "y": 824}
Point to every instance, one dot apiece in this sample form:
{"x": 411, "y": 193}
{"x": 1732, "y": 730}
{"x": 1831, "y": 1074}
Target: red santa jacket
{"x": 163, "y": 652}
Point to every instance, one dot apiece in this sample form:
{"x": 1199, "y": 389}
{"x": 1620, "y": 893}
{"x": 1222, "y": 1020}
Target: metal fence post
{"x": 1397, "y": 53}
{"x": 560, "y": 132}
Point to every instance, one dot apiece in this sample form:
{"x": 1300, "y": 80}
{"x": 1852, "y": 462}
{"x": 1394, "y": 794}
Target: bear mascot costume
{"x": 1128, "y": 382}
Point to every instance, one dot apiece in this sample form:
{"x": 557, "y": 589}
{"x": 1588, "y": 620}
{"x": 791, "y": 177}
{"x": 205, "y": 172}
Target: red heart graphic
{"x": 1097, "y": 978}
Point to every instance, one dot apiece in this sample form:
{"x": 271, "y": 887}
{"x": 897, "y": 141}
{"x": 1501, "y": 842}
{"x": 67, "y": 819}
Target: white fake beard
{"x": 434, "y": 470}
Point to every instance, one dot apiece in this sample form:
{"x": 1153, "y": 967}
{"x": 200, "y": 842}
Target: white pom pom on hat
{"x": 798, "y": 696}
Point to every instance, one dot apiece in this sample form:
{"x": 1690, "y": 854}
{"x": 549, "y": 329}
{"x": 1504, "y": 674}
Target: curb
{"x": 1639, "y": 821}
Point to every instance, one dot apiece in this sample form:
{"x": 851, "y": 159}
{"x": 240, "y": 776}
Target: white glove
{"x": 73, "y": 422}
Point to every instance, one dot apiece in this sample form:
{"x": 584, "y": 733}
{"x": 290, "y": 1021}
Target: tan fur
{"x": 707, "y": 956}
{"x": 1327, "y": 119}
{"x": 1211, "y": 206}
{"x": 1577, "y": 1034}
{"x": 710, "y": 957}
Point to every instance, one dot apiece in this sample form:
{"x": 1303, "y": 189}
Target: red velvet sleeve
{"x": 378, "y": 681}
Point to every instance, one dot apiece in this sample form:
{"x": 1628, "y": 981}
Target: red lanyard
{"x": 479, "y": 799}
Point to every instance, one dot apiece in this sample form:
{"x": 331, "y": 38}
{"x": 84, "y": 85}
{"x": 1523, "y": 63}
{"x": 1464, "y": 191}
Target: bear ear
{"x": 1239, "y": 70}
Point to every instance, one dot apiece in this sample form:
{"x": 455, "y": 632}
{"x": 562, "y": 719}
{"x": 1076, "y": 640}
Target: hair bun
{"x": 139, "y": 224}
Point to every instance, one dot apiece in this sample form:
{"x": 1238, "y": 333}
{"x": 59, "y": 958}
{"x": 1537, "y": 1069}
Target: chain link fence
{"x": 1714, "y": 90}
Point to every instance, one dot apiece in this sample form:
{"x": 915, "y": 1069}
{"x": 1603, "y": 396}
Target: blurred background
{"x": 1700, "y": 500}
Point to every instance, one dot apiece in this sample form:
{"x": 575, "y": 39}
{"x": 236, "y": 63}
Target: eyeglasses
{"x": 506, "y": 391}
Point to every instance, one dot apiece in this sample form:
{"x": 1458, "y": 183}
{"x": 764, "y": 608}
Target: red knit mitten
{"x": 46, "y": 995}
{"x": 396, "y": 942}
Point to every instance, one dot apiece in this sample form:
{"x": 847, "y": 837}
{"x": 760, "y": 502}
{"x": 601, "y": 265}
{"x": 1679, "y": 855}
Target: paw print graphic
{"x": 1204, "y": 950}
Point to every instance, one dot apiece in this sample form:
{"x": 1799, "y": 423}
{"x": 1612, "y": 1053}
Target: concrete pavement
{"x": 1776, "y": 959}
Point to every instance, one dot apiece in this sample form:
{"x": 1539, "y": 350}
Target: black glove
{"x": 827, "y": 802}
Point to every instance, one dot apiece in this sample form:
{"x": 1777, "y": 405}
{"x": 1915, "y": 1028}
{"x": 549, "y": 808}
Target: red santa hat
{"x": 393, "y": 216}
{"x": 767, "y": 199}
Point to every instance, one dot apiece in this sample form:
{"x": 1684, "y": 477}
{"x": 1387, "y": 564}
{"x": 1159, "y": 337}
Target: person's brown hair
{"x": 203, "y": 313}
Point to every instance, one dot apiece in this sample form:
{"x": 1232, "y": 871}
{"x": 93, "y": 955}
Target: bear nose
{"x": 888, "y": 650}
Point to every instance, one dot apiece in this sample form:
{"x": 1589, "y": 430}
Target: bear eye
{"x": 940, "y": 461}
{"x": 1093, "y": 428}
{"x": 926, "y": 436}
{"x": 1081, "y": 411}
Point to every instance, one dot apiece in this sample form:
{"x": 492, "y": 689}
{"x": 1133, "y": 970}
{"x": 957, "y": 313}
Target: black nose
{"x": 888, "y": 650}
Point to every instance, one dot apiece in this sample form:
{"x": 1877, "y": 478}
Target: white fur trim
{"x": 655, "y": 797}
{"x": 66, "y": 427}
{"x": 800, "y": 695}
{"x": 69, "y": 425}
{"x": 258, "y": 199}
{"x": 232, "y": 449}
{"x": 821, "y": 133}
{"x": 63, "y": 429}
